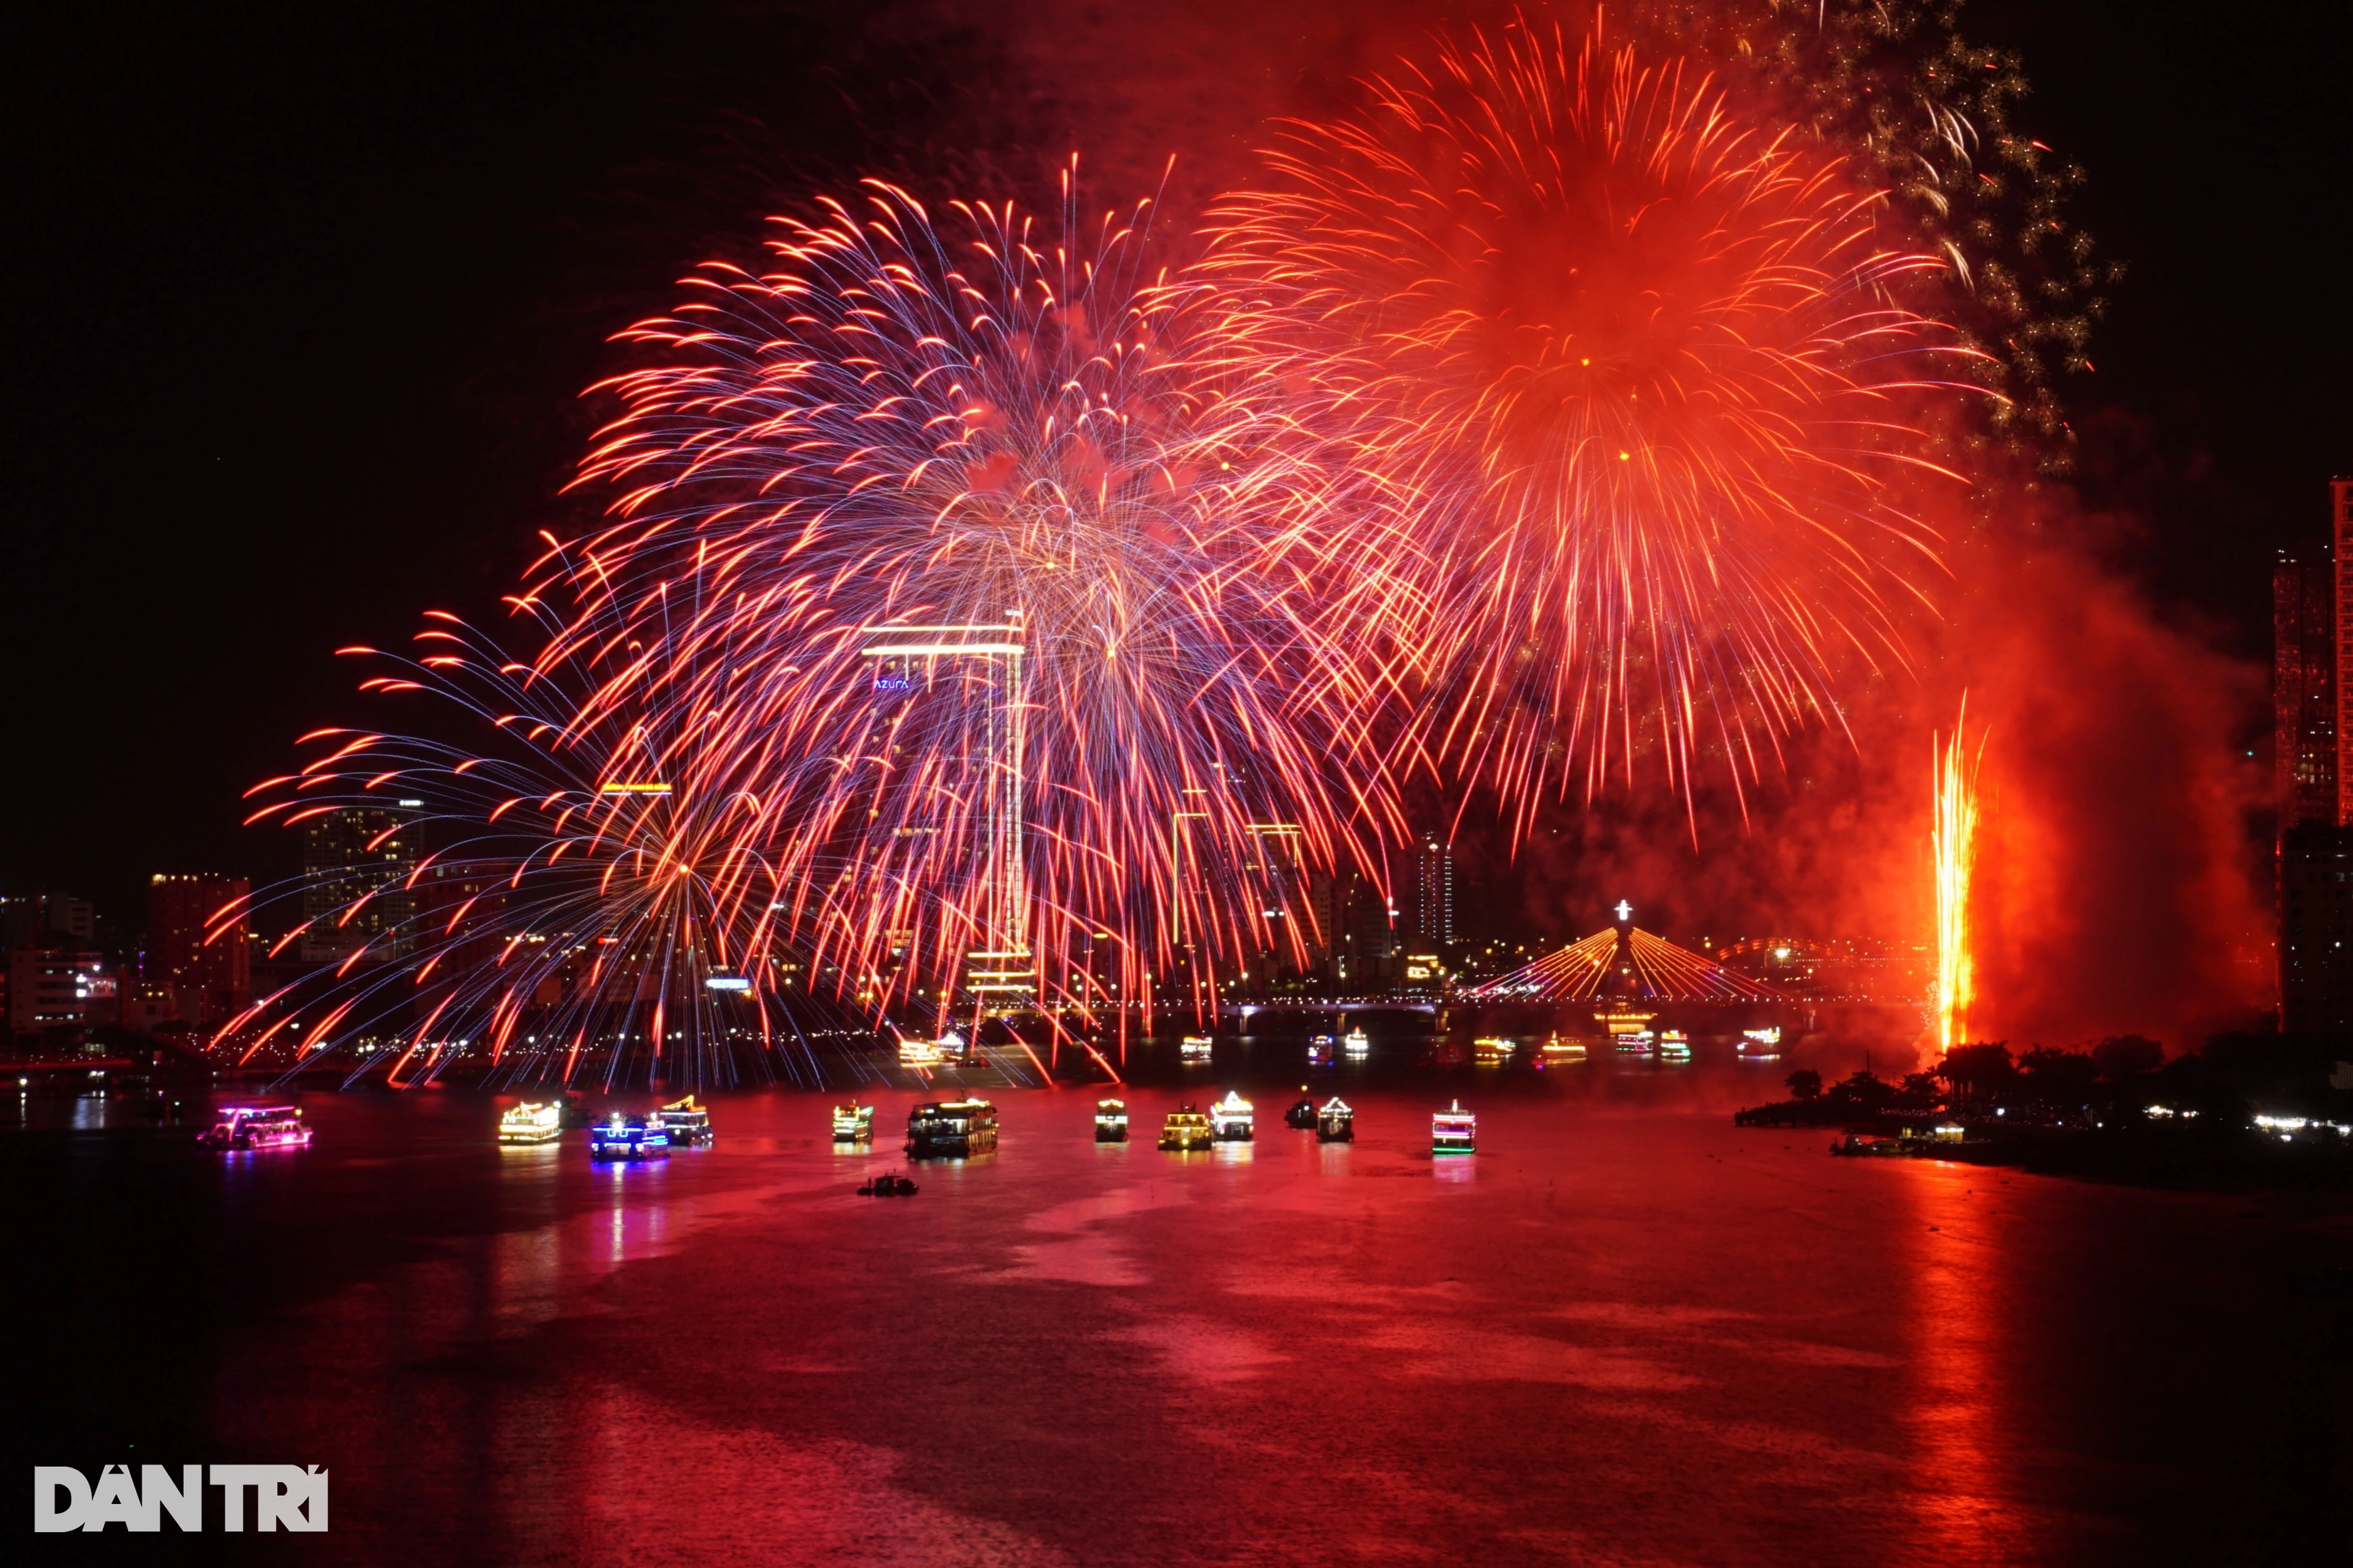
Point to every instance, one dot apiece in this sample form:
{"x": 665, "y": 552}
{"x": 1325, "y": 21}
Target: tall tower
{"x": 2340, "y": 512}
{"x": 2304, "y": 691}
{"x": 1433, "y": 891}
{"x": 1000, "y": 971}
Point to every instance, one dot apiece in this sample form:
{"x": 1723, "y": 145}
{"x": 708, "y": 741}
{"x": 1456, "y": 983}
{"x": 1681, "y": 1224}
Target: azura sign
{"x": 285, "y": 1497}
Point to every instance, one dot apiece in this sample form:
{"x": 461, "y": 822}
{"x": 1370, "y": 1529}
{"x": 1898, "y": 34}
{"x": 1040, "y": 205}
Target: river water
{"x": 1624, "y": 1333}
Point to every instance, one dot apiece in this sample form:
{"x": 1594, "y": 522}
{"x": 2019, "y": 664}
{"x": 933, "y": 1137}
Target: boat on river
{"x": 888, "y": 1185}
{"x": 1232, "y": 1120}
{"x": 853, "y": 1123}
{"x": 1194, "y": 1050}
{"x": 951, "y": 1130}
{"x": 1301, "y": 1115}
{"x": 1185, "y": 1128}
{"x": 1111, "y": 1122}
{"x": 1357, "y": 1044}
{"x": 1453, "y": 1130}
{"x": 1336, "y": 1122}
{"x": 531, "y": 1123}
{"x": 628, "y": 1137}
{"x": 256, "y": 1127}
{"x": 685, "y": 1121}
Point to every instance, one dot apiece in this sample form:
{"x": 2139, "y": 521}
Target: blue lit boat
{"x": 628, "y": 1137}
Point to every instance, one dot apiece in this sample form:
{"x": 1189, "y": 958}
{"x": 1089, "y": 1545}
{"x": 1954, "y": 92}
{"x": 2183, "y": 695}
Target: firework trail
{"x": 1641, "y": 383}
{"x": 926, "y": 609}
{"x": 1954, "y": 845}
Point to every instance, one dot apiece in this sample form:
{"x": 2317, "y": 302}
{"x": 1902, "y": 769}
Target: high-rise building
{"x": 1430, "y": 910}
{"x": 2341, "y": 512}
{"x": 2316, "y": 873}
{"x": 2304, "y": 691}
{"x": 58, "y": 988}
{"x": 357, "y": 863}
{"x": 210, "y": 980}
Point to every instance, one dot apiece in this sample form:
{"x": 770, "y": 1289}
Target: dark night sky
{"x": 301, "y": 296}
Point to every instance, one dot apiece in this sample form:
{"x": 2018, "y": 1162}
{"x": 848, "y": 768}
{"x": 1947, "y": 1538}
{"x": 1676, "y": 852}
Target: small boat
{"x": 1301, "y": 1115}
{"x": 1635, "y": 1042}
{"x": 1492, "y": 1050}
{"x": 1357, "y": 1044}
{"x": 1111, "y": 1122}
{"x": 1335, "y": 1124}
{"x": 1674, "y": 1046}
{"x": 1231, "y": 1120}
{"x": 531, "y": 1123}
{"x": 853, "y": 1123}
{"x": 628, "y": 1137}
{"x": 1319, "y": 1051}
{"x": 891, "y": 1186}
{"x": 685, "y": 1121}
{"x": 1557, "y": 1051}
{"x": 1761, "y": 1045}
{"x": 256, "y": 1127}
{"x": 951, "y": 1130}
{"x": 1453, "y": 1130}
{"x": 1185, "y": 1128}
{"x": 1194, "y": 1049}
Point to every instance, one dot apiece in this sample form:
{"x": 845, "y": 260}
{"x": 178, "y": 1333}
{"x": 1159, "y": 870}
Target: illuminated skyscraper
{"x": 210, "y": 982}
{"x": 1431, "y": 915}
{"x": 2304, "y": 691}
{"x": 2340, "y": 512}
{"x": 359, "y": 853}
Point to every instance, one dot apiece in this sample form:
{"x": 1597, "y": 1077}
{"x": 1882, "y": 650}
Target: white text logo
{"x": 285, "y": 1497}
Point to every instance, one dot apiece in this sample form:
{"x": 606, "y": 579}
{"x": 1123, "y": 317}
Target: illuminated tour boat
{"x": 1185, "y": 1128}
{"x": 1453, "y": 1130}
{"x": 853, "y": 1123}
{"x": 685, "y": 1121}
{"x": 1492, "y": 1050}
{"x": 951, "y": 1130}
{"x": 1111, "y": 1122}
{"x": 1557, "y": 1051}
{"x": 256, "y": 1127}
{"x": 1193, "y": 1050}
{"x": 947, "y": 1048}
{"x": 1674, "y": 1046}
{"x": 1761, "y": 1045}
{"x": 1301, "y": 1113}
{"x": 628, "y": 1137}
{"x": 1230, "y": 1120}
{"x": 531, "y": 1122}
{"x": 1335, "y": 1124}
{"x": 1357, "y": 1044}
{"x": 1319, "y": 1051}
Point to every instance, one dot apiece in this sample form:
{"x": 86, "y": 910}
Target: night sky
{"x": 302, "y": 297}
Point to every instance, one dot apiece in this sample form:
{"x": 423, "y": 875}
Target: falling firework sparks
{"x": 962, "y": 684}
{"x": 1954, "y": 846}
{"x": 1643, "y": 386}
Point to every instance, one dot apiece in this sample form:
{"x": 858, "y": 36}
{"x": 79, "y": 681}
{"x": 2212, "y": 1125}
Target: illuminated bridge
{"x": 1623, "y": 963}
